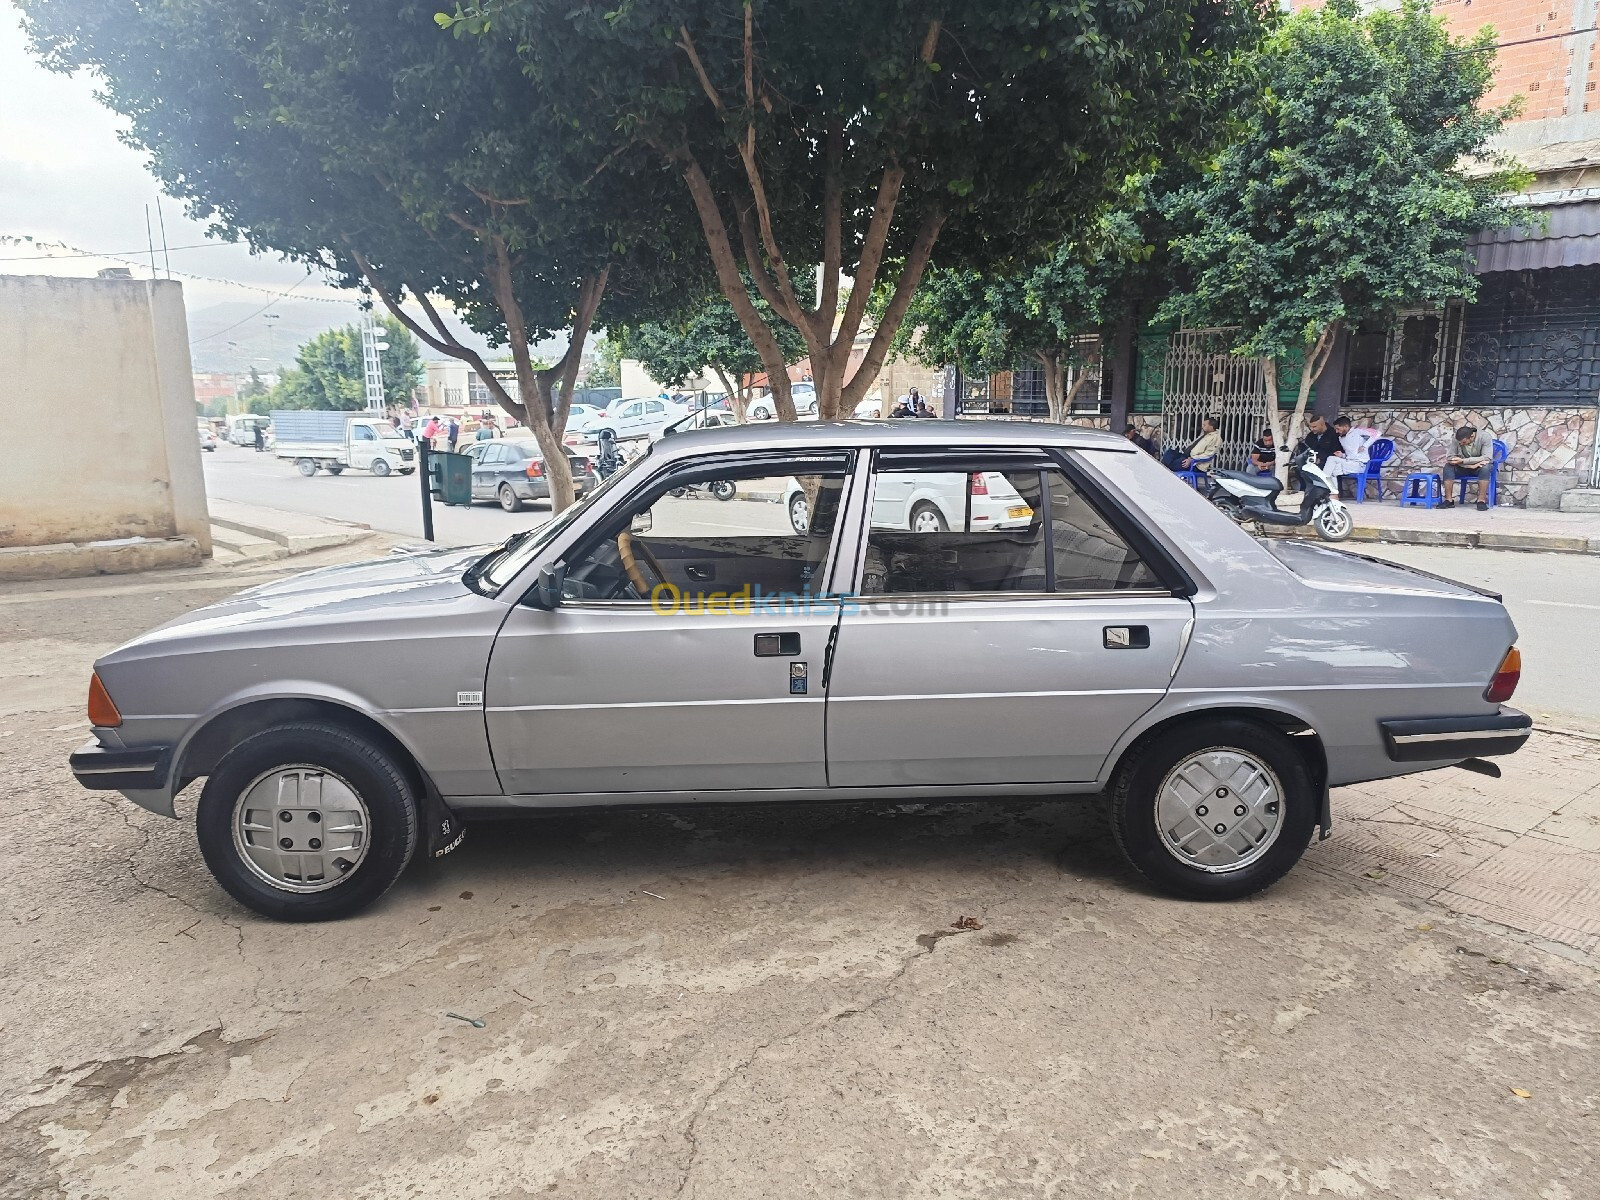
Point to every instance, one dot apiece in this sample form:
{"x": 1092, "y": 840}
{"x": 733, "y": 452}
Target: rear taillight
{"x": 980, "y": 485}
{"x": 535, "y": 469}
{"x": 1506, "y": 678}
{"x": 102, "y": 712}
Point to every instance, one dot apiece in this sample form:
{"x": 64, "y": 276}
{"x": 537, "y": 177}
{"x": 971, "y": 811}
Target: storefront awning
{"x": 1568, "y": 236}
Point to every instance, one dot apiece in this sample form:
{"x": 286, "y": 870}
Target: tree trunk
{"x": 1050, "y": 361}
{"x": 1273, "y": 417}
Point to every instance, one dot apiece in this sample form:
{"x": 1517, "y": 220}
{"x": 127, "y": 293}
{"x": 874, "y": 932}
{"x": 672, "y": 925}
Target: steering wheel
{"x": 631, "y": 565}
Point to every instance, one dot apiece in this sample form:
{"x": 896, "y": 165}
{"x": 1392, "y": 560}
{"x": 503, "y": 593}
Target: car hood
{"x": 1323, "y": 566}
{"x": 353, "y": 592}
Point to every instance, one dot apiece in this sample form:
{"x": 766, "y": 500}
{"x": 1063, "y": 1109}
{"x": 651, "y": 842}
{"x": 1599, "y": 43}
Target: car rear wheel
{"x": 1214, "y": 810}
{"x": 926, "y": 518}
{"x": 307, "y": 822}
{"x": 800, "y": 513}
{"x": 380, "y": 467}
{"x": 509, "y": 500}
{"x": 306, "y": 466}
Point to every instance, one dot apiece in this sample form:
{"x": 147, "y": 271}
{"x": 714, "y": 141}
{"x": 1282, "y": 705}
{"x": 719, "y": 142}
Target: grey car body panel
{"x": 645, "y": 708}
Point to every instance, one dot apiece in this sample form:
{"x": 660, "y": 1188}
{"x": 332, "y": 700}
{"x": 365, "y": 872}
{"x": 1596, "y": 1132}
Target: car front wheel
{"x": 1214, "y": 810}
{"x": 307, "y": 822}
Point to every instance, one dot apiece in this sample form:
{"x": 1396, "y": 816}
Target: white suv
{"x": 931, "y": 503}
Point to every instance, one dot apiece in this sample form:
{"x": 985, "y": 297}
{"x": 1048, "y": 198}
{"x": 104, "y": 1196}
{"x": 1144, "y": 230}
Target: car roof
{"x": 904, "y": 432}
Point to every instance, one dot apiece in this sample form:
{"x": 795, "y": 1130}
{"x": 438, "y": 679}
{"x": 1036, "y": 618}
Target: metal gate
{"x": 1204, "y": 378}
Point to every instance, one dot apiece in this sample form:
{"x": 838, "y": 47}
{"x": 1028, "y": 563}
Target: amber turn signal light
{"x": 102, "y": 713}
{"x": 1505, "y": 679}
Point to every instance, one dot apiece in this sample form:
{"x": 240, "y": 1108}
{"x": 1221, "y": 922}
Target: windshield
{"x": 501, "y": 565}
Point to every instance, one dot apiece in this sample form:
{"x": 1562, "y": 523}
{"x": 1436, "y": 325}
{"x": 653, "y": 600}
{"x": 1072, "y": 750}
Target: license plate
{"x": 1018, "y": 512}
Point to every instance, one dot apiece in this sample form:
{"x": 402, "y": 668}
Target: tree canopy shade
{"x": 706, "y": 337}
{"x": 1344, "y": 198}
{"x": 1049, "y": 311}
{"x": 360, "y": 139}
{"x": 329, "y": 371}
{"x": 824, "y": 138}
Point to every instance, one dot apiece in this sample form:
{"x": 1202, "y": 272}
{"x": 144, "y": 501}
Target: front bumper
{"x": 102, "y": 770}
{"x": 1436, "y": 739}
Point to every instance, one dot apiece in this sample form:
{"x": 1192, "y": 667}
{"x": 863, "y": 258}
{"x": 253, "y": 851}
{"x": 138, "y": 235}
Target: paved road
{"x": 1555, "y": 601}
{"x": 393, "y": 505}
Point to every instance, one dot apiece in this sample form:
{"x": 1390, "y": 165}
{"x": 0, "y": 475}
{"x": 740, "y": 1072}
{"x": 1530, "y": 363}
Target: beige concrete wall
{"x": 97, "y": 372}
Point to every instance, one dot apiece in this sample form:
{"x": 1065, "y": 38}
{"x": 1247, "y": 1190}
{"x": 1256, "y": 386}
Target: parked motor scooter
{"x": 722, "y": 489}
{"x": 1253, "y": 498}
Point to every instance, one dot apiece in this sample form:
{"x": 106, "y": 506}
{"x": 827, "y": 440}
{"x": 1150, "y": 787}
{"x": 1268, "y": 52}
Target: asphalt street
{"x": 393, "y": 504}
{"x": 1555, "y": 601}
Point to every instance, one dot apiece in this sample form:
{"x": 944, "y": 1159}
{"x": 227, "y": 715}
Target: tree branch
{"x": 762, "y": 278}
{"x": 866, "y": 277}
{"x": 687, "y": 44}
{"x": 905, "y": 288}
{"x": 832, "y": 223}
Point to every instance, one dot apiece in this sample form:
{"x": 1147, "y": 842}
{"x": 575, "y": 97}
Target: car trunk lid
{"x": 1323, "y": 566}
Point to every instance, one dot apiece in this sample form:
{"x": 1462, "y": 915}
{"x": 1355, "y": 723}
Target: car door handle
{"x": 695, "y": 571}
{"x": 777, "y": 645}
{"x": 1127, "y": 637}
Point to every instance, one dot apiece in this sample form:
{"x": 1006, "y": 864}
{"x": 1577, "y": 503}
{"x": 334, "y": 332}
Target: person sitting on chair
{"x": 1148, "y": 445}
{"x": 1205, "y": 446}
{"x": 1474, "y": 451}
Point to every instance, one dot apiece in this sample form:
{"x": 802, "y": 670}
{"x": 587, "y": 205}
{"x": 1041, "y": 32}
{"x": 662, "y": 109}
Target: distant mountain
{"x": 236, "y": 335}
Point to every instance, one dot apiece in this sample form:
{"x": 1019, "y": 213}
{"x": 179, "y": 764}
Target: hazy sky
{"x": 64, "y": 177}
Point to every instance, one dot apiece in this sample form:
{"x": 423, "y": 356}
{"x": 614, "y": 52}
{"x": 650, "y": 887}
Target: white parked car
{"x": 584, "y": 422}
{"x": 641, "y": 417}
{"x": 932, "y": 503}
{"x": 804, "y": 395}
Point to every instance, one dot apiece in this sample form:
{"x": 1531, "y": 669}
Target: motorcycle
{"x": 1253, "y": 499}
{"x": 722, "y": 489}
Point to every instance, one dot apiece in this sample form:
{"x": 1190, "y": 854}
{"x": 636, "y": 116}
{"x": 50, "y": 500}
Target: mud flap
{"x": 1326, "y": 819}
{"x": 442, "y": 830}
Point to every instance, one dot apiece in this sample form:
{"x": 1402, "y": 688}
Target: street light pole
{"x": 372, "y": 365}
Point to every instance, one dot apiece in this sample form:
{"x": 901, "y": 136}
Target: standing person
{"x": 1474, "y": 452}
{"x": 430, "y": 431}
{"x": 1264, "y": 454}
{"x": 485, "y": 432}
{"x": 405, "y": 425}
{"x": 261, "y": 438}
{"x": 919, "y": 407}
{"x": 452, "y": 433}
{"x": 1206, "y": 447}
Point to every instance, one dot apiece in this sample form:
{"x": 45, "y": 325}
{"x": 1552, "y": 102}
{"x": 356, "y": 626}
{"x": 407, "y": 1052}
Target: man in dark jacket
{"x": 1322, "y": 441}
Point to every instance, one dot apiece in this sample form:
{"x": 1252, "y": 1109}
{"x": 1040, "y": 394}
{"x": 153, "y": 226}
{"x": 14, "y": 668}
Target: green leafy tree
{"x": 1051, "y": 312}
{"x": 330, "y": 371}
{"x": 707, "y": 337}
{"x": 820, "y": 139}
{"x": 359, "y": 140}
{"x": 1343, "y": 199}
{"x": 606, "y": 370}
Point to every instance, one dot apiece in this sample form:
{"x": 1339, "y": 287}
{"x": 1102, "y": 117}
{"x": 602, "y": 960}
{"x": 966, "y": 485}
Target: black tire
{"x": 1228, "y": 506}
{"x": 306, "y": 466}
{"x": 335, "y": 470}
{"x": 371, "y": 772}
{"x": 509, "y": 500}
{"x": 924, "y": 508}
{"x": 724, "y": 489}
{"x": 380, "y": 467}
{"x": 1146, "y": 767}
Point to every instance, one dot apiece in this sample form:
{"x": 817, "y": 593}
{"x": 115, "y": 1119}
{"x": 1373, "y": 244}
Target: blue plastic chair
{"x": 1420, "y": 490}
{"x": 1191, "y": 475}
{"x": 1501, "y": 452}
{"x": 1379, "y": 452}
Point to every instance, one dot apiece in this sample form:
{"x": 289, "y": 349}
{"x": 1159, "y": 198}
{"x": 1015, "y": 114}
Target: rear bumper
{"x": 103, "y": 770}
{"x": 1434, "y": 739}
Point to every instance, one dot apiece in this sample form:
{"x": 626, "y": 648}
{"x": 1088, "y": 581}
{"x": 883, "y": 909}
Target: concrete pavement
{"x": 790, "y": 1001}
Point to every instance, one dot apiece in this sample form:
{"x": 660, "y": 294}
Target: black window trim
{"x": 1168, "y": 569}
{"x": 843, "y": 459}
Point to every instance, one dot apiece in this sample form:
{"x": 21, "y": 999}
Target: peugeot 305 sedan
{"x": 1122, "y": 638}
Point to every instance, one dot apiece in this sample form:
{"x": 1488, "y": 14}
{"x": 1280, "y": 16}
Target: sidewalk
{"x": 1497, "y": 529}
{"x": 251, "y": 531}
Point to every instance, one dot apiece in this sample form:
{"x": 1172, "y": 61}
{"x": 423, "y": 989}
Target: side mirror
{"x": 641, "y": 522}
{"x": 546, "y": 591}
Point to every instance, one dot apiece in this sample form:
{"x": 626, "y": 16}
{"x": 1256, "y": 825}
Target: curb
{"x": 296, "y": 543}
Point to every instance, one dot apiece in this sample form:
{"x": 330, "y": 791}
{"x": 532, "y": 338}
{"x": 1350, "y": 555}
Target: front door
{"x": 363, "y": 447}
{"x": 1012, "y": 640}
{"x": 687, "y": 653}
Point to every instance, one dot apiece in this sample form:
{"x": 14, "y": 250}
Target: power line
{"x": 94, "y": 253}
{"x": 1549, "y": 37}
{"x": 251, "y": 317}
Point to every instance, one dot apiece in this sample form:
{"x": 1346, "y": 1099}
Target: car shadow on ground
{"x": 608, "y": 850}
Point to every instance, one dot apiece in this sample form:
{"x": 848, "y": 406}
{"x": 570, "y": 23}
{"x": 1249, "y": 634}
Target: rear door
{"x": 984, "y": 655}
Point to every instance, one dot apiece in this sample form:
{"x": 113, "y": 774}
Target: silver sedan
{"x": 1114, "y": 635}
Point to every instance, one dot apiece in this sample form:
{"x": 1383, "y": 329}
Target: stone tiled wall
{"x": 1539, "y": 441}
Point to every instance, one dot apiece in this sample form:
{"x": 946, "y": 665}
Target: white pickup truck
{"x": 332, "y": 441}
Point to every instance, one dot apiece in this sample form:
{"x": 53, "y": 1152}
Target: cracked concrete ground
{"x": 800, "y": 1008}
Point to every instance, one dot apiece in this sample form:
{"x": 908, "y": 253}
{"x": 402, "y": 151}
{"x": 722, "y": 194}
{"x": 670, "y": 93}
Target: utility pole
{"x": 372, "y": 364}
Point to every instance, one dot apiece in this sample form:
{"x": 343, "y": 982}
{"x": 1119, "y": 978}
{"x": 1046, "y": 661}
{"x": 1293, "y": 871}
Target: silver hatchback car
{"x": 1114, "y": 635}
